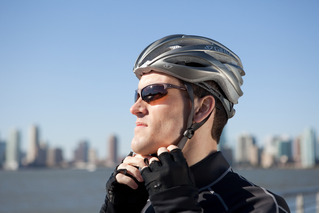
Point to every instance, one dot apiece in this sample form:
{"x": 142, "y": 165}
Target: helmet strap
{"x": 189, "y": 132}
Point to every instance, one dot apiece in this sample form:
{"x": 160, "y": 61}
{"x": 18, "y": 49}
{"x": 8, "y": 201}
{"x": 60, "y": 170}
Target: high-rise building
{"x": 34, "y": 146}
{"x": 112, "y": 157}
{"x": 284, "y": 149}
{"x": 2, "y": 152}
{"x": 278, "y": 151}
{"x": 81, "y": 152}
{"x": 42, "y": 154}
{"x": 247, "y": 152}
{"x": 13, "y": 158}
{"x": 93, "y": 156}
{"x": 55, "y": 157}
{"x": 296, "y": 151}
{"x": 308, "y": 148}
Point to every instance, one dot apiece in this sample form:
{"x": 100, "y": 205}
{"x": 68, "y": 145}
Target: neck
{"x": 198, "y": 148}
{"x": 201, "y": 144}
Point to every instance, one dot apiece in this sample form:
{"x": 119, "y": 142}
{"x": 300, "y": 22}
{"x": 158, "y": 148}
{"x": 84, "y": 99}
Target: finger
{"x": 137, "y": 161}
{"x": 134, "y": 161}
{"x": 154, "y": 163}
{"x": 172, "y": 147}
{"x": 126, "y": 180}
{"x": 133, "y": 171}
{"x": 145, "y": 159}
{"x": 122, "y": 171}
{"x": 177, "y": 156}
{"x": 152, "y": 159}
{"x": 162, "y": 150}
{"x": 165, "y": 158}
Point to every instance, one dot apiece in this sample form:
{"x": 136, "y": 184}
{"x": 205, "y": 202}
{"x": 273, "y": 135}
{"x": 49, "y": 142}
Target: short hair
{"x": 220, "y": 115}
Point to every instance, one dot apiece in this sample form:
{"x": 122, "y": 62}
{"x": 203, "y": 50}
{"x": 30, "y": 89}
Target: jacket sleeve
{"x": 107, "y": 207}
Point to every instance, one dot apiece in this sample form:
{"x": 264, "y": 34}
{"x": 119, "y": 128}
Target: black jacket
{"x": 219, "y": 190}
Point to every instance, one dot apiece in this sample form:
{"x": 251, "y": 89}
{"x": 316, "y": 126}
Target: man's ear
{"x": 205, "y": 107}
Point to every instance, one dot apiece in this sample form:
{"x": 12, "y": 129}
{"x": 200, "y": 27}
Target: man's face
{"x": 160, "y": 122}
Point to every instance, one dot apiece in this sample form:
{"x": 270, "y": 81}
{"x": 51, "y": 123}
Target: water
{"x": 56, "y": 191}
{"x": 80, "y": 191}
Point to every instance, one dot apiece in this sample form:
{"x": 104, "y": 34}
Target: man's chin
{"x": 143, "y": 152}
{"x": 139, "y": 147}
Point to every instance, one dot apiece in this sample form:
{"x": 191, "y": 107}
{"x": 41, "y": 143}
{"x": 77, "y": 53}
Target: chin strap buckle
{"x": 189, "y": 133}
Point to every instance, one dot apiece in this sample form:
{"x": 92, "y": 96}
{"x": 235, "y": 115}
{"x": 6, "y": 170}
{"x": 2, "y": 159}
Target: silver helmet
{"x": 196, "y": 59}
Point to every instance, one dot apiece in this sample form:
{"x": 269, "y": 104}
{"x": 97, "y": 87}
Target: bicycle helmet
{"x": 195, "y": 59}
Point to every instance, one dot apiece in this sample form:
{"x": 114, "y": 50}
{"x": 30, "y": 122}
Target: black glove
{"x": 122, "y": 198}
{"x": 170, "y": 184}
{"x": 170, "y": 171}
{"x": 120, "y": 194}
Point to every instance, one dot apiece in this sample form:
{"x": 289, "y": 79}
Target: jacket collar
{"x": 210, "y": 169}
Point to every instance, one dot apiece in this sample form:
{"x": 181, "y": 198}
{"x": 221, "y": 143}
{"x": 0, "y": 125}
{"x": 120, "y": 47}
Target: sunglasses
{"x": 154, "y": 92}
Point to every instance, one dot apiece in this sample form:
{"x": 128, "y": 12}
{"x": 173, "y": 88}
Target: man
{"x": 186, "y": 93}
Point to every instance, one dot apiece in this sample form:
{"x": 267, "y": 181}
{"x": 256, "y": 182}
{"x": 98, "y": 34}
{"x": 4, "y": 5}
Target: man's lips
{"x": 141, "y": 124}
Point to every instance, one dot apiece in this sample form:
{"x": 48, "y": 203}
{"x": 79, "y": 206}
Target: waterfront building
{"x": 112, "y": 158}
{"x": 247, "y": 152}
{"x": 308, "y": 148}
{"x": 55, "y": 157}
{"x": 2, "y": 153}
{"x": 93, "y": 156}
{"x": 296, "y": 152}
{"x": 34, "y": 146}
{"x": 267, "y": 159}
{"x": 284, "y": 149}
{"x": 42, "y": 154}
{"x": 81, "y": 152}
{"x": 278, "y": 151}
{"x": 271, "y": 146}
{"x": 13, "y": 157}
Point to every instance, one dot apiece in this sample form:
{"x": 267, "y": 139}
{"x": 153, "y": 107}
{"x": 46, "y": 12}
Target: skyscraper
{"x": 42, "y": 154}
{"x": 284, "y": 149}
{"x": 247, "y": 152}
{"x": 308, "y": 148}
{"x": 81, "y": 152}
{"x": 112, "y": 157}
{"x": 55, "y": 157}
{"x": 296, "y": 151}
{"x": 13, "y": 158}
{"x": 34, "y": 145}
{"x": 2, "y": 152}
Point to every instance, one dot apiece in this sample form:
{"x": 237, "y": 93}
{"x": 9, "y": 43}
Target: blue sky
{"x": 67, "y": 65}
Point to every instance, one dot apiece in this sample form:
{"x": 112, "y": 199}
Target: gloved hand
{"x": 120, "y": 194}
{"x": 121, "y": 197}
{"x": 170, "y": 171}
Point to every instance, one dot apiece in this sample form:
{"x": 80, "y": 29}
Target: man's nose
{"x": 139, "y": 108}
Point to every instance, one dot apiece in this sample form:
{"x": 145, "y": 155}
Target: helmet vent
{"x": 190, "y": 64}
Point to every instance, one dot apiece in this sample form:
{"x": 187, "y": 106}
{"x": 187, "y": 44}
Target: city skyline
{"x": 225, "y": 139}
{"x": 301, "y": 151}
